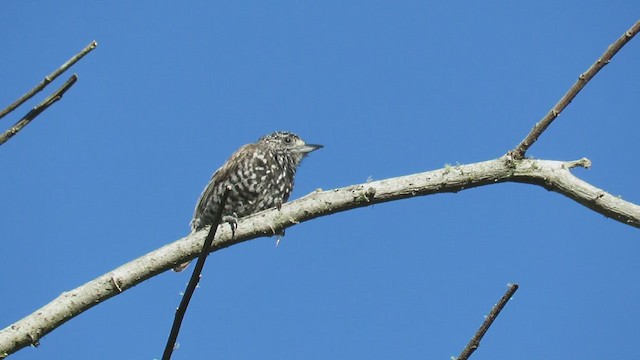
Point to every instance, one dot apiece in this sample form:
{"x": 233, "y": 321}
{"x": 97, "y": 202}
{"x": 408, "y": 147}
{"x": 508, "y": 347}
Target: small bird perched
{"x": 260, "y": 175}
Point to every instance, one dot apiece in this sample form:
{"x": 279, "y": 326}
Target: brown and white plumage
{"x": 261, "y": 176}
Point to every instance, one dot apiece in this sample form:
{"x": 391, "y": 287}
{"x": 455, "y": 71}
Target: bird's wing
{"x": 218, "y": 180}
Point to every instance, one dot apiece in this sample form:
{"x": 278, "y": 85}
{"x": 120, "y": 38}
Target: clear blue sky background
{"x": 113, "y": 171}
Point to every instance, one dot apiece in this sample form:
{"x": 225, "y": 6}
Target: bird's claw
{"x": 232, "y": 220}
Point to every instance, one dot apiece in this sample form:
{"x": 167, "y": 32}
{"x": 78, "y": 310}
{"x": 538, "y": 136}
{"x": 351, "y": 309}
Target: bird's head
{"x": 287, "y": 142}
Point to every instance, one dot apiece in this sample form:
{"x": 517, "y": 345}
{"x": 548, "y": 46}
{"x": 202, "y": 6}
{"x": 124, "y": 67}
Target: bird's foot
{"x": 232, "y": 220}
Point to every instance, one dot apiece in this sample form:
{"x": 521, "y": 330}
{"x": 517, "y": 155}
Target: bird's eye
{"x": 287, "y": 140}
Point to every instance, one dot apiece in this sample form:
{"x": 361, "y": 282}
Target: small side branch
{"x": 556, "y": 177}
{"x": 195, "y": 278}
{"x": 57, "y": 95}
{"x": 474, "y": 343}
{"x": 519, "y": 152}
{"x": 49, "y": 78}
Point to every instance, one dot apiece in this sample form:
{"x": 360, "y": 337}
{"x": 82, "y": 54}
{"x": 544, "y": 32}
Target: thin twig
{"x": 49, "y": 78}
{"x": 57, "y": 95}
{"x": 519, "y": 152}
{"x": 195, "y": 278}
{"x": 474, "y": 343}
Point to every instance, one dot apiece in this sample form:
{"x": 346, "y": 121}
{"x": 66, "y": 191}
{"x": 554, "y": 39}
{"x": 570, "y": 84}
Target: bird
{"x": 260, "y": 176}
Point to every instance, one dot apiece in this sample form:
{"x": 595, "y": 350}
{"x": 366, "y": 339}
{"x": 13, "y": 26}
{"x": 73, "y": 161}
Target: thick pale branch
{"x": 555, "y": 177}
{"x": 552, "y": 175}
{"x": 583, "y": 79}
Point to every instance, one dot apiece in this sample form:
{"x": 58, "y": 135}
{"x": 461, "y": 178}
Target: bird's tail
{"x": 181, "y": 267}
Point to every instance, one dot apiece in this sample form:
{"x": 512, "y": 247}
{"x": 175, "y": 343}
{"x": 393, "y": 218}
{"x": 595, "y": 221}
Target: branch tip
{"x": 49, "y": 78}
{"x": 519, "y": 152}
{"x": 584, "y": 163}
{"x": 37, "y": 110}
{"x": 474, "y": 343}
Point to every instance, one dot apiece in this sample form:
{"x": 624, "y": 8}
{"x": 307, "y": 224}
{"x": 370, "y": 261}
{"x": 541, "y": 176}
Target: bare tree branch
{"x": 49, "y": 78}
{"x": 583, "y": 79}
{"x": 474, "y": 343}
{"x": 57, "y": 95}
{"x": 195, "y": 278}
{"x": 552, "y": 175}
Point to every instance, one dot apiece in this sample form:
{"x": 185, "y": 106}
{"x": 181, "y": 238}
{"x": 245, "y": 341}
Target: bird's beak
{"x": 307, "y": 148}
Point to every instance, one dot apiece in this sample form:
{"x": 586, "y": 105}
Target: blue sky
{"x": 113, "y": 171}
